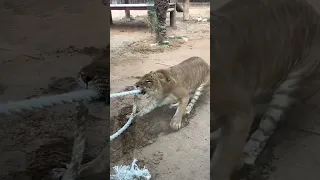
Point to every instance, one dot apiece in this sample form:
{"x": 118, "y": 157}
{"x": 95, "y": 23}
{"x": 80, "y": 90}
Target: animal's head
{"x": 154, "y": 83}
{"x": 85, "y": 76}
{"x": 95, "y": 76}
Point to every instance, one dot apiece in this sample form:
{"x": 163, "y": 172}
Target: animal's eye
{"x": 148, "y": 81}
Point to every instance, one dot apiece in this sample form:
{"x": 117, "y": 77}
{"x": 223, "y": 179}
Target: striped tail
{"x": 196, "y": 96}
{"x": 281, "y": 101}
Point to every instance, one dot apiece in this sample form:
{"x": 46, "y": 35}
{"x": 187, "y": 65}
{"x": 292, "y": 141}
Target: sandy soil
{"x": 44, "y": 44}
{"x": 167, "y": 155}
{"x": 51, "y": 41}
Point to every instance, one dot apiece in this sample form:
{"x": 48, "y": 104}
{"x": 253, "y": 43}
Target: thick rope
{"x": 78, "y": 144}
{"x": 134, "y": 109}
{"x": 18, "y": 107}
{"x": 66, "y": 98}
{"x": 136, "y": 91}
{"x": 130, "y": 172}
{"x": 121, "y": 130}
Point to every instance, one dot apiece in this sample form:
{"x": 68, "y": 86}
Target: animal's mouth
{"x": 143, "y": 92}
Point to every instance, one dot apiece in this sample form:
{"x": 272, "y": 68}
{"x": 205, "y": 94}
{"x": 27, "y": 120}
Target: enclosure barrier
{"x": 128, "y": 5}
{"x": 81, "y": 97}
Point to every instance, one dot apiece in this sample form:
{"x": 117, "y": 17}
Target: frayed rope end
{"x": 132, "y": 172}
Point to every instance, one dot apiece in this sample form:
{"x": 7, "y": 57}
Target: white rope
{"x": 134, "y": 109}
{"x": 114, "y": 95}
{"x": 121, "y": 130}
{"x": 128, "y": 172}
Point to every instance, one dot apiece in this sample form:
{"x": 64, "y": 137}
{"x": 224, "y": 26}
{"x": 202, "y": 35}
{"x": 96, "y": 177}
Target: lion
{"x": 175, "y": 86}
{"x": 258, "y": 48}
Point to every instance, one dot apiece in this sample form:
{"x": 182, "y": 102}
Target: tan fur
{"x": 258, "y": 47}
{"x": 174, "y": 86}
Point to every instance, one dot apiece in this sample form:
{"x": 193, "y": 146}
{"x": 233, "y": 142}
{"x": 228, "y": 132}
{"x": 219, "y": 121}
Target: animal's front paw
{"x": 140, "y": 113}
{"x": 248, "y": 159}
{"x": 128, "y": 116}
{"x": 175, "y": 123}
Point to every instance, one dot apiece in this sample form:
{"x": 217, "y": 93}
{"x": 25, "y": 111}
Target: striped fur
{"x": 173, "y": 87}
{"x": 258, "y": 47}
{"x": 281, "y": 101}
{"x": 196, "y": 96}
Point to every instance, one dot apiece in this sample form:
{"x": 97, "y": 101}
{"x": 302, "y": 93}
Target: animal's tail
{"x": 281, "y": 100}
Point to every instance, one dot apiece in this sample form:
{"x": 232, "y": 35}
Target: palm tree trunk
{"x": 161, "y": 7}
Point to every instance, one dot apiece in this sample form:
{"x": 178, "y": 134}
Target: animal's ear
{"x": 151, "y": 74}
{"x": 137, "y": 77}
{"x": 166, "y": 75}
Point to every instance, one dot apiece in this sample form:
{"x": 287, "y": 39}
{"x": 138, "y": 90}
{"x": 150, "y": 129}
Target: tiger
{"x": 258, "y": 48}
{"x": 179, "y": 86}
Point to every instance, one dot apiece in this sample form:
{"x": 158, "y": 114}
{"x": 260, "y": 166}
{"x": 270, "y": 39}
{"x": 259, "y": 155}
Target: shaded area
{"x": 43, "y": 45}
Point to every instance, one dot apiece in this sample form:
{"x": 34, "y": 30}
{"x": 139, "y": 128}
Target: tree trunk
{"x": 186, "y": 5}
{"x": 127, "y": 12}
{"x": 161, "y": 7}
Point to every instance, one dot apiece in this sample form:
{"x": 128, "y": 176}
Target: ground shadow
{"x": 125, "y": 24}
{"x": 143, "y": 131}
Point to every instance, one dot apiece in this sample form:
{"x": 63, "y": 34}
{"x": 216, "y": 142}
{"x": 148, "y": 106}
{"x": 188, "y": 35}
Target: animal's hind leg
{"x": 281, "y": 100}
{"x": 230, "y": 144}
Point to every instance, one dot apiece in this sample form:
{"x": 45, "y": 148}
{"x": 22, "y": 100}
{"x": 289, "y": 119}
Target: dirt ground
{"x": 44, "y": 44}
{"x": 167, "y": 155}
{"x": 291, "y": 153}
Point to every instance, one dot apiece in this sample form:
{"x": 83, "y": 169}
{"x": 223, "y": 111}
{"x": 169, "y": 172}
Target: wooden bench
{"x": 128, "y": 7}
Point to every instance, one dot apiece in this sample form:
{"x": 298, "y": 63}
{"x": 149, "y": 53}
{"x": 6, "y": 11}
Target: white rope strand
{"x": 125, "y": 93}
{"x": 121, "y": 130}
